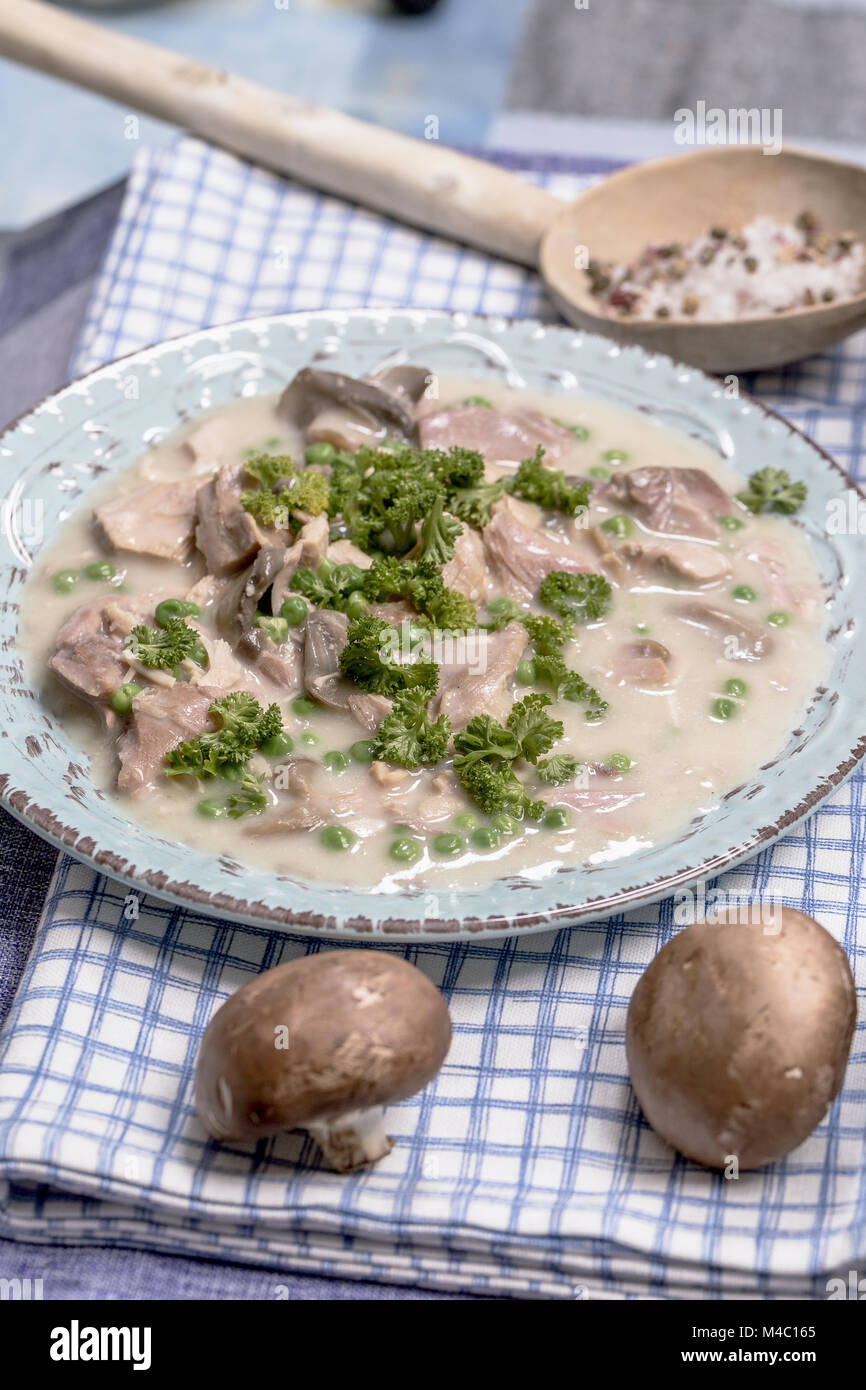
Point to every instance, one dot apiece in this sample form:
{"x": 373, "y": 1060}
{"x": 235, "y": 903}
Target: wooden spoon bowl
{"x": 678, "y": 199}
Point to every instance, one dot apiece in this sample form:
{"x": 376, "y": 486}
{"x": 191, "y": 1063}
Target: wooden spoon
{"x": 475, "y": 202}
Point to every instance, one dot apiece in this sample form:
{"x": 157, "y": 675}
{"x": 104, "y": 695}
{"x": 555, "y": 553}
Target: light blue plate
{"x": 100, "y": 424}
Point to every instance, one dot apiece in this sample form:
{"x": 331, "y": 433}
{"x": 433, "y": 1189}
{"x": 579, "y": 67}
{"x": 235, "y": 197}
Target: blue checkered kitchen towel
{"x": 526, "y": 1167}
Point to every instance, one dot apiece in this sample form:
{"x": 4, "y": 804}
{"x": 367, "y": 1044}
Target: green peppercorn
{"x": 778, "y": 619}
{"x": 731, "y": 523}
{"x": 320, "y": 453}
{"x": 302, "y": 705}
{"x": 336, "y": 761}
{"x": 556, "y": 818}
{"x": 336, "y": 837}
{"x": 724, "y": 709}
{"x": 64, "y": 581}
{"x": 744, "y": 593}
{"x": 505, "y": 824}
{"x": 362, "y": 751}
{"x": 294, "y": 611}
{"x": 485, "y": 837}
{"x": 597, "y": 471}
{"x": 615, "y": 456}
{"x": 467, "y": 820}
{"x": 309, "y": 739}
{"x": 100, "y": 569}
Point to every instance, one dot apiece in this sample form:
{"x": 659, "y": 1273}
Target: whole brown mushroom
{"x": 322, "y": 1043}
{"x": 738, "y": 1035}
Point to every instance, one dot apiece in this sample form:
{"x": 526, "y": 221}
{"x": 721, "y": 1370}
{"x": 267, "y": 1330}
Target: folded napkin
{"x": 526, "y": 1167}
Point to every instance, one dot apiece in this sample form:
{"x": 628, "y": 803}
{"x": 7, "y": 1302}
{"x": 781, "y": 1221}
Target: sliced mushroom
{"x": 690, "y": 560}
{"x": 742, "y": 640}
{"x": 323, "y": 1044}
{"x": 643, "y": 662}
{"x": 407, "y": 383}
{"x": 236, "y": 607}
{"x": 344, "y": 411}
{"x": 325, "y": 639}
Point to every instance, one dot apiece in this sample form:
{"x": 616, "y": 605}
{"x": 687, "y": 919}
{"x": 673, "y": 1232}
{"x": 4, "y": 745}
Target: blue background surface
{"x": 452, "y": 63}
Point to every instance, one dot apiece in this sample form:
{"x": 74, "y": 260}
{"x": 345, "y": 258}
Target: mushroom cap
{"x": 737, "y": 1037}
{"x": 317, "y": 1037}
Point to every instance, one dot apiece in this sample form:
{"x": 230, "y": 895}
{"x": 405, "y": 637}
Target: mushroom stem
{"x": 352, "y": 1139}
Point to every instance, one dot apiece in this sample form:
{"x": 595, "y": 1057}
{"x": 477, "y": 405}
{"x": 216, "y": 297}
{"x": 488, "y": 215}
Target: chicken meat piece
{"x": 158, "y": 520}
{"x": 495, "y": 435}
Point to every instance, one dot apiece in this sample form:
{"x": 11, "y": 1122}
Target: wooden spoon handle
{"x": 416, "y": 181}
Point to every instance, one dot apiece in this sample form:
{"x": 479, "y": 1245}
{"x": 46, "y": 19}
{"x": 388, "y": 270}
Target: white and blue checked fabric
{"x": 525, "y": 1168}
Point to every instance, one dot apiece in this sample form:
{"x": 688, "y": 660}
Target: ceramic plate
{"x": 58, "y": 452}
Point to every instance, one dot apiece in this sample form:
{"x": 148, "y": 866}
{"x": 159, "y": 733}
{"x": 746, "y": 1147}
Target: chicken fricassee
{"x": 423, "y": 629}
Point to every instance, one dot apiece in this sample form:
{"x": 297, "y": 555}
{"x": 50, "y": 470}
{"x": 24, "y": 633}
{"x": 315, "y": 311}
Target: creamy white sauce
{"x": 684, "y": 759}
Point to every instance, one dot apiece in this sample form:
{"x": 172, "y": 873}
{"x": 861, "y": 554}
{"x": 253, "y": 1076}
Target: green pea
{"x": 302, "y": 705}
{"x": 121, "y": 700}
{"x": 724, "y": 709}
{"x": 278, "y": 745}
{"x": 478, "y": 400}
{"x": 320, "y": 453}
{"x": 736, "y": 687}
{"x": 336, "y": 837}
{"x": 505, "y": 824}
{"x": 467, "y": 820}
{"x": 526, "y": 672}
{"x": 294, "y": 611}
{"x": 602, "y": 474}
{"x": 448, "y": 844}
{"x": 276, "y": 628}
{"x": 309, "y": 739}
{"x": 620, "y": 762}
{"x": 615, "y": 456}
{"x": 199, "y": 655}
{"x": 356, "y": 604}
{"x": 485, "y": 837}
{"x": 210, "y": 807}
{"x": 175, "y": 608}
{"x": 405, "y": 849}
{"x": 64, "y": 581}
{"x": 362, "y": 751}
{"x": 100, "y": 569}
{"x": 580, "y": 432}
{"x": 618, "y": 526}
{"x": 556, "y": 818}
{"x": 744, "y": 593}
{"x": 778, "y": 619}
{"x": 336, "y": 761}
{"x": 731, "y": 523}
